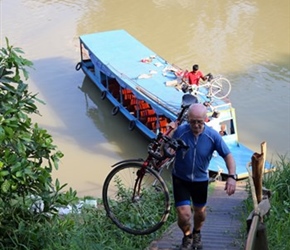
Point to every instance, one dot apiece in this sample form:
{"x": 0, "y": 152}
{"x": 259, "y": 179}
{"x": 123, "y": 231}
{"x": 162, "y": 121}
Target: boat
{"x": 133, "y": 78}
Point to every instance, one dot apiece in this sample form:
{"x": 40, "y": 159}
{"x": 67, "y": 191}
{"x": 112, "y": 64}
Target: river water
{"x": 246, "y": 41}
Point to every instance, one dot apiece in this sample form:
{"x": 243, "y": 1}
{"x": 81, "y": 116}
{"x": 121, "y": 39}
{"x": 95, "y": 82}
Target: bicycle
{"x": 135, "y": 188}
{"x": 215, "y": 87}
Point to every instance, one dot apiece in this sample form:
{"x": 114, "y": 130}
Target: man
{"x": 190, "y": 175}
{"x": 195, "y": 75}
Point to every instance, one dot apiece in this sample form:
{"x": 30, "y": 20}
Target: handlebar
{"x": 209, "y": 77}
{"x": 161, "y": 148}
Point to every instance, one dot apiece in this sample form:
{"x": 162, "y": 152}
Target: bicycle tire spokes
{"x": 221, "y": 88}
{"x": 216, "y": 88}
{"x": 140, "y": 211}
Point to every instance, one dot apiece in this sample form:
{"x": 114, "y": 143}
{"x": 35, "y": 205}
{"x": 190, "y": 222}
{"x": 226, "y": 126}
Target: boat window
{"x": 227, "y": 127}
{"x": 114, "y": 88}
{"x": 104, "y": 79}
{"x": 232, "y": 127}
{"x": 223, "y": 129}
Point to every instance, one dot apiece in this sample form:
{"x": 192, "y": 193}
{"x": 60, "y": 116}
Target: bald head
{"x": 197, "y": 110}
{"x": 196, "y": 118}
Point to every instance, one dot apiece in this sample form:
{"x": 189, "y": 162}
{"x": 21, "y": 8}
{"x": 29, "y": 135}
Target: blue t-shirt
{"x": 193, "y": 166}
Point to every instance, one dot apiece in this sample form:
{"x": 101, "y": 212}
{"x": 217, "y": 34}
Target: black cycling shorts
{"x": 184, "y": 192}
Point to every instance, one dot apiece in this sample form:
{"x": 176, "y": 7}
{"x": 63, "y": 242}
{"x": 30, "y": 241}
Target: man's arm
{"x": 172, "y": 126}
{"x": 231, "y": 166}
{"x": 202, "y": 76}
{"x": 230, "y": 163}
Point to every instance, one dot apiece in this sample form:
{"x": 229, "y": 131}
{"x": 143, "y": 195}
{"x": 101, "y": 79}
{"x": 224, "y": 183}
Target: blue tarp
{"x": 119, "y": 55}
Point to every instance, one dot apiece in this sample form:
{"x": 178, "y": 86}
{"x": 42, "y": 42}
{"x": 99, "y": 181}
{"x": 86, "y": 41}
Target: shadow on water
{"x": 112, "y": 127}
{"x": 73, "y": 98}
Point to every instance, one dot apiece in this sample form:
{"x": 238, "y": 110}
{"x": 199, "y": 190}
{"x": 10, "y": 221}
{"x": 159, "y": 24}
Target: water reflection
{"x": 113, "y": 128}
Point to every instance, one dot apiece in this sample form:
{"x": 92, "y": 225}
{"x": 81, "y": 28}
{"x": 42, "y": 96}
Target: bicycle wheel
{"x": 220, "y": 87}
{"x": 142, "y": 214}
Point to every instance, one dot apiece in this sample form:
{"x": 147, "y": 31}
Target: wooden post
{"x": 255, "y": 217}
{"x": 257, "y": 169}
{"x": 264, "y": 152}
{"x": 261, "y": 242}
{"x": 257, "y": 236}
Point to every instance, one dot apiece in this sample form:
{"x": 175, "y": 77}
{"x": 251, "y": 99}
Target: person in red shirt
{"x": 195, "y": 75}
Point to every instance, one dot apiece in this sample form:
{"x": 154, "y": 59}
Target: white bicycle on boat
{"x": 215, "y": 87}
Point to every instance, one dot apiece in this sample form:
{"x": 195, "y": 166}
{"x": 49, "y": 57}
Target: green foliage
{"x": 278, "y": 221}
{"x": 27, "y": 158}
{"x": 11, "y": 63}
{"x": 91, "y": 229}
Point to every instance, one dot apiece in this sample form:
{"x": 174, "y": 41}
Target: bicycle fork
{"x": 138, "y": 181}
{"x": 137, "y": 186}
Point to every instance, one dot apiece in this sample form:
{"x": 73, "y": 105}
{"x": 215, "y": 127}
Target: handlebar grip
{"x": 167, "y": 150}
{"x": 157, "y": 155}
{"x": 210, "y": 77}
{"x": 155, "y": 146}
{"x": 182, "y": 144}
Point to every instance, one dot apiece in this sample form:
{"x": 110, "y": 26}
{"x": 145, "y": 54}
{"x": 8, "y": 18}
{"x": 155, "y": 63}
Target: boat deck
{"x": 221, "y": 229}
{"x": 121, "y": 56}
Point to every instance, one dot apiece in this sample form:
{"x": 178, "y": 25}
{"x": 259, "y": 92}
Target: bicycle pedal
{"x": 136, "y": 198}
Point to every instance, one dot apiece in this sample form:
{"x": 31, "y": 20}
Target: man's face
{"x": 196, "y": 123}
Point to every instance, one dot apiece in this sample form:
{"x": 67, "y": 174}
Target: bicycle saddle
{"x": 187, "y": 100}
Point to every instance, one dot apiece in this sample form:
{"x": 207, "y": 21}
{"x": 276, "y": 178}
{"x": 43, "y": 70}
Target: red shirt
{"x": 193, "y": 77}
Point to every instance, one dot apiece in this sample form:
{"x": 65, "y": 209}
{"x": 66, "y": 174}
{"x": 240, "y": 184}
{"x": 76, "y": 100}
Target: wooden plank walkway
{"x": 222, "y": 225}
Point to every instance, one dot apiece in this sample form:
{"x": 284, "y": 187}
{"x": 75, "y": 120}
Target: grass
{"x": 93, "y": 230}
{"x": 89, "y": 230}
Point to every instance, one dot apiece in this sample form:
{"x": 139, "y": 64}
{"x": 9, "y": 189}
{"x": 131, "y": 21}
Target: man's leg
{"x": 184, "y": 216}
{"x": 184, "y": 213}
{"x": 198, "y": 220}
{"x": 199, "y": 197}
{"x": 199, "y": 217}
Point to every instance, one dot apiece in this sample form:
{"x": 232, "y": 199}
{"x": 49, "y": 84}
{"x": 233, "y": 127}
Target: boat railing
{"x": 157, "y": 100}
{"x": 222, "y": 106}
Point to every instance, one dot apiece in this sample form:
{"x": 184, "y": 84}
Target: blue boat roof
{"x": 120, "y": 53}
